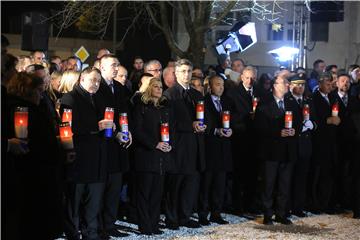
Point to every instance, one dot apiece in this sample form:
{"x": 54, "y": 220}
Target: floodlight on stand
{"x": 284, "y": 54}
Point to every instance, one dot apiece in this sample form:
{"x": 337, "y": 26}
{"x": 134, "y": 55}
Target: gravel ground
{"x": 314, "y": 227}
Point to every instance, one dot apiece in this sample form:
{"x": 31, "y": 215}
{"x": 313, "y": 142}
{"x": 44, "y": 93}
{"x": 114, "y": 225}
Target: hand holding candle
{"x": 335, "y": 110}
{"x": 124, "y": 127}
{"x": 109, "y": 115}
{"x": 66, "y": 136}
{"x": 255, "y": 102}
{"x": 21, "y": 117}
{"x": 200, "y": 112}
{"x": 306, "y": 112}
{"x": 67, "y": 116}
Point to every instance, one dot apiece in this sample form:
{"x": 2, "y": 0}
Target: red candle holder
{"x": 164, "y": 132}
{"x": 21, "y": 118}
{"x": 66, "y": 135}
{"x": 255, "y": 102}
{"x": 200, "y": 112}
{"x": 226, "y": 119}
{"x": 288, "y": 119}
{"x": 335, "y": 110}
{"x": 67, "y": 116}
{"x": 124, "y": 126}
{"x": 306, "y": 112}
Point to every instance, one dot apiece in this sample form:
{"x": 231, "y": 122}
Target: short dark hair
{"x": 316, "y": 63}
{"x": 212, "y": 79}
{"x": 325, "y": 76}
{"x": 329, "y": 67}
{"x": 343, "y": 73}
{"x": 34, "y": 67}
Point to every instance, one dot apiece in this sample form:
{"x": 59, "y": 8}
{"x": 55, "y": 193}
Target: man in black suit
{"x": 345, "y": 140}
{"x": 183, "y": 181}
{"x": 306, "y": 112}
{"x": 217, "y": 154}
{"x": 243, "y": 143}
{"x": 279, "y": 148}
{"x": 111, "y": 94}
{"x": 85, "y": 174}
{"x": 324, "y": 147}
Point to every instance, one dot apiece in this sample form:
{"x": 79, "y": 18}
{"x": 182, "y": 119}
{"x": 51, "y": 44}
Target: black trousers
{"x": 111, "y": 201}
{"x": 181, "y": 196}
{"x": 301, "y": 174}
{"x": 277, "y": 174}
{"x": 88, "y": 198}
{"x": 148, "y": 198}
{"x": 212, "y": 191}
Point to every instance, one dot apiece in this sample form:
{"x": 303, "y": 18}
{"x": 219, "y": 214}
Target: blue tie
{"x": 111, "y": 85}
{"x": 281, "y": 105}
{"x": 218, "y": 105}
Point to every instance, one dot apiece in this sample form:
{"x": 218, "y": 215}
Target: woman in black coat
{"x": 32, "y": 176}
{"x": 152, "y": 157}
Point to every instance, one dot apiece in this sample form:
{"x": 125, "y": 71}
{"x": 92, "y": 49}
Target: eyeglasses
{"x": 155, "y": 70}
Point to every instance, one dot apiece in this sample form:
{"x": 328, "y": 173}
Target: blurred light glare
{"x": 284, "y": 54}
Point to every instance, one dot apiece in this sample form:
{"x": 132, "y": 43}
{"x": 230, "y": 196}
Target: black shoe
{"x": 268, "y": 221}
{"x": 191, "y": 224}
{"x": 147, "y": 233}
{"x": 157, "y": 232}
{"x": 172, "y": 226}
{"x": 299, "y": 213}
{"x": 283, "y": 220}
{"x": 218, "y": 220}
{"x": 330, "y": 211}
{"x": 115, "y": 233}
{"x": 203, "y": 221}
{"x": 356, "y": 215}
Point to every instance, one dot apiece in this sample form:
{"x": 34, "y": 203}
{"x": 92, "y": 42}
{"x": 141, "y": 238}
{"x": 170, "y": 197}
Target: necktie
{"x": 218, "y": 105}
{"x": 281, "y": 105}
{"x": 111, "y": 85}
{"x": 344, "y": 99}
{"x": 92, "y": 99}
{"x": 299, "y": 101}
{"x": 250, "y": 93}
{"x": 327, "y": 99}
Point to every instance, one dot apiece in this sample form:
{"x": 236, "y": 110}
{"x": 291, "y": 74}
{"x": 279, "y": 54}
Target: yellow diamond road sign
{"x": 82, "y": 54}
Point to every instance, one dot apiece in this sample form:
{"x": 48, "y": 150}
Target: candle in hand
{"x": 306, "y": 112}
{"x": 288, "y": 119}
{"x": 67, "y": 116}
{"x": 66, "y": 136}
{"x": 109, "y": 115}
{"x": 254, "y": 103}
{"x": 164, "y": 132}
{"x": 200, "y": 112}
{"x": 124, "y": 126}
{"x": 21, "y": 117}
{"x": 335, "y": 110}
{"x": 226, "y": 119}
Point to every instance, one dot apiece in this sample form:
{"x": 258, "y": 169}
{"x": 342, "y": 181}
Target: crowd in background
{"x": 179, "y": 153}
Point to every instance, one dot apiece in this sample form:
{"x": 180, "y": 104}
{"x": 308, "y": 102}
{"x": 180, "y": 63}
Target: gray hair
{"x": 151, "y": 62}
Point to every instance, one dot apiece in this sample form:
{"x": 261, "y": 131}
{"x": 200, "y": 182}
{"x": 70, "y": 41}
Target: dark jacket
{"x": 189, "y": 147}
{"x": 269, "y": 121}
{"x": 35, "y": 176}
{"x": 324, "y": 138}
{"x": 147, "y": 135}
{"x": 117, "y": 155}
{"x": 90, "y": 163}
{"x": 218, "y": 154}
{"x": 241, "y": 103}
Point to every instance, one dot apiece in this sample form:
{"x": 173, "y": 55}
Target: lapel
{"x": 212, "y": 106}
{"x": 106, "y": 89}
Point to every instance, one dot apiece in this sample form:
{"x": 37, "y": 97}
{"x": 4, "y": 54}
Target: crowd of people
{"x": 176, "y": 140}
